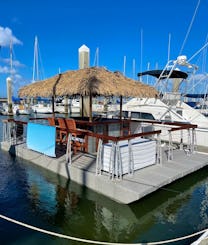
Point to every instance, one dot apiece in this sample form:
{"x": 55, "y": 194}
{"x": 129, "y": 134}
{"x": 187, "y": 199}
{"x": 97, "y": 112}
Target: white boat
{"x": 169, "y": 106}
{"x": 22, "y": 110}
{"x": 17, "y": 109}
{"x": 71, "y": 106}
{"x": 74, "y": 105}
{"x": 42, "y": 108}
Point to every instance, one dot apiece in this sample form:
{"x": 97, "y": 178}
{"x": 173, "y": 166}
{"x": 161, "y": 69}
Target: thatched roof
{"x": 88, "y": 81}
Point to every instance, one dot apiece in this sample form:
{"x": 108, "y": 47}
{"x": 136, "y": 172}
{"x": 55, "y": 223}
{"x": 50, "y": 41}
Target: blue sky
{"x": 114, "y": 27}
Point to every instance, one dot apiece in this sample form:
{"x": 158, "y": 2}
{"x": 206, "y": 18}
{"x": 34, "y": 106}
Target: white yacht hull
{"x": 156, "y": 109}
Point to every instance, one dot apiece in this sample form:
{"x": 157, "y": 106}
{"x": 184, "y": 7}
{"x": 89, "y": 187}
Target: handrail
{"x": 164, "y": 122}
{"x": 180, "y": 126}
{"x": 187, "y": 126}
{"x": 115, "y": 121}
{"x": 112, "y": 121}
{"x": 108, "y": 137}
{"x": 119, "y": 138}
{"x": 13, "y": 120}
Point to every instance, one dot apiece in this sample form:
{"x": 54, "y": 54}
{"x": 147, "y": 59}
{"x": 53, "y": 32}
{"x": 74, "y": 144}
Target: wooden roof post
{"x": 90, "y": 105}
{"x": 53, "y": 109}
{"x": 121, "y": 104}
{"x": 82, "y": 106}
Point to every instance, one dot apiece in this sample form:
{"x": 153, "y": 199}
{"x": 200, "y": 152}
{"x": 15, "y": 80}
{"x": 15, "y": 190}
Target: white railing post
{"x": 170, "y": 147}
{"x": 194, "y": 143}
{"x": 68, "y": 150}
{"x": 158, "y": 150}
{"x": 118, "y": 162}
{"x": 131, "y": 158}
{"x": 4, "y": 131}
{"x": 99, "y": 157}
{"x": 189, "y": 143}
{"x": 112, "y": 161}
{"x": 181, "y": 140}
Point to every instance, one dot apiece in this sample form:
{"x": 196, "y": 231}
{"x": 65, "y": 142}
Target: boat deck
{"x": 129, "y": 188}
{"x": 202, "y": 240}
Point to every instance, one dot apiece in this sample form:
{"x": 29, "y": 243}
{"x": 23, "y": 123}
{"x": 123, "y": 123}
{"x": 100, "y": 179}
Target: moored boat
{"x": 169, "y": 106}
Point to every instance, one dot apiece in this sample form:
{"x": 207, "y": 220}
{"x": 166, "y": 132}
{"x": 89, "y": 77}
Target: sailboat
{"x": 42, "y": 106}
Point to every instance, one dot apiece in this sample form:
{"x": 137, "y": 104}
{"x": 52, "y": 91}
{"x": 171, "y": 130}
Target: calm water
{"x": 40, "y": 198}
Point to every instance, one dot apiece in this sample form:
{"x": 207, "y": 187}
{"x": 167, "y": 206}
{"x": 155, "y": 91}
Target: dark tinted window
{"x": 125, "y": 114}
{"x": 142, "y": 115}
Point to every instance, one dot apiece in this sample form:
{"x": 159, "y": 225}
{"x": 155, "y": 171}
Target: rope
{"x": 97, "y": 242}
{"x": 205, "y": 45}
{"x": 189, "y": 29}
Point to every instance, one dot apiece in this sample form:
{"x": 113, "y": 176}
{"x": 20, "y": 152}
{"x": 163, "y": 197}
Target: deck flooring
{"x": 131, "y": 187}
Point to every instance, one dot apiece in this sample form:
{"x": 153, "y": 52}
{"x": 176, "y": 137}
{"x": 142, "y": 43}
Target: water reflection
{"x": 70, "y": 209}
{"x": 176, "y": 212}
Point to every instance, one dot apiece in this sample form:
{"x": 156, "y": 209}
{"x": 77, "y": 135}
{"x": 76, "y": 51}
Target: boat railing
{"x": 116, "y": 162}
{"x": 15, "y": 131}
{"x": 191, "y": 143}
{"x": 182, "y": 135}
{"x": 115, "y": 131}
{"x": 103, "y": 139}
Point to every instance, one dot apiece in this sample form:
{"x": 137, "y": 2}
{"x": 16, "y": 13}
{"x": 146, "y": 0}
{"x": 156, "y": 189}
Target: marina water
{"x": 43, "y": 199}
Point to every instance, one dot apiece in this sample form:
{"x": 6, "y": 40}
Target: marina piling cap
{"x": 84, "y": 48}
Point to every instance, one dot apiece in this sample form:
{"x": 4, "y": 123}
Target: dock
{"x": 127, "y": 189}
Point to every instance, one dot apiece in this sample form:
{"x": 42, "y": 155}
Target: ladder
{"x": 164, "y": 76}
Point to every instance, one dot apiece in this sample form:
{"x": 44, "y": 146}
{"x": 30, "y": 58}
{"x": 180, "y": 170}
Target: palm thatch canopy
{"x": 88, "y": 82}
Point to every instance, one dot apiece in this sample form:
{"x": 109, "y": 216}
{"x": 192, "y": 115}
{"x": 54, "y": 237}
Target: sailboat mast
{"x": 124, "y": 66}
{"x": 9, "y": 83}
{"x": 134, "y": 68}
{"x": 96, "y": 60}
{"x": 169, "y": 40}
{"x": 11, "y": 58}
{"x": 141, "y": 54}
{"x": 97, "y": 57}
{"x": 148, "y": 67}
{"x": 35, "y": 61}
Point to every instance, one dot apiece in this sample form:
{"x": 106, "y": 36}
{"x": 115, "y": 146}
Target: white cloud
{"x": 15, "y": 63}
{"x": 4, "y": 69}
{"x": 18, "y": 77}
{"x": 7, "y": 70}
{"x": 6, "y": 36}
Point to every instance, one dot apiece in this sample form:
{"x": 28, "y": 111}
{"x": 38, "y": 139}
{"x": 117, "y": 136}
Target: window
{"x": 142, "y": 115}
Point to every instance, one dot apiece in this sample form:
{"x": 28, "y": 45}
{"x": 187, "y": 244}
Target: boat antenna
{"x": 190, "y": 26}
